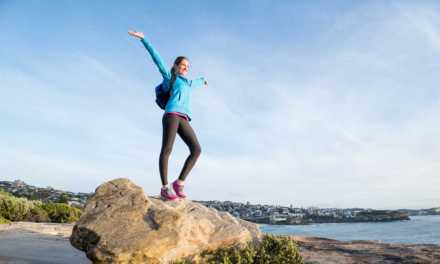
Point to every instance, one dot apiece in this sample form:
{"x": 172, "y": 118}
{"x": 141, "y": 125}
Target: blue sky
{"x": 309, "y": 103}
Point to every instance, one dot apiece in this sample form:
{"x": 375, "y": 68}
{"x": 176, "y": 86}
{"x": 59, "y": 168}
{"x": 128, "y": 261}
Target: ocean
{"x": 418, "y": 230}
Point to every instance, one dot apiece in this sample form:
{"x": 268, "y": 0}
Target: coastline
{"x": 419, "y": 230}
{"x": 29, "y": 242}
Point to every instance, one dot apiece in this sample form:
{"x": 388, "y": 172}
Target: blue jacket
{"x": 180, "y": 100}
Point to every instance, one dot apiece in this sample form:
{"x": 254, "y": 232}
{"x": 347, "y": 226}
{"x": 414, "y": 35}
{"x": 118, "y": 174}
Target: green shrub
{"x": 21, "y": 209}
{"x": 38, "y": 214}
{"x": 231, "y": 255}
{"x": 61, "y": 212}
{"x": 3, "y": 220}
{"x": 14, "y": 208}
{"x": 63, "y": 199}
{"x": 3, "y": 192}
{"x": 272, "y": 249}
{"x": 277, "y": 249}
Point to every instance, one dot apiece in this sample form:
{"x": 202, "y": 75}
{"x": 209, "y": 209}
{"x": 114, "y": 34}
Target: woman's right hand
{"x": 139, "y": 35}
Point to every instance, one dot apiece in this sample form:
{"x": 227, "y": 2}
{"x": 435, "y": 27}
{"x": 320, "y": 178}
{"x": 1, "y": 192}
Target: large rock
{"x": 121, "y": 225}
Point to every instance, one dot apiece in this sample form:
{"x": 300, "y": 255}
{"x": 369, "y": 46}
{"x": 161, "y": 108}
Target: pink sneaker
{"x": 166, "y": 194}
{"x": 178, "y": 189}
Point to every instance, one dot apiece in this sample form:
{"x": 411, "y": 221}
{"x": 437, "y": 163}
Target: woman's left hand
{"x": 139, "y": 35}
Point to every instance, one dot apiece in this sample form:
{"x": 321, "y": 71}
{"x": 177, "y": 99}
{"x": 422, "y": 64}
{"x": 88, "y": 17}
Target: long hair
{"x": 173, "y": 73}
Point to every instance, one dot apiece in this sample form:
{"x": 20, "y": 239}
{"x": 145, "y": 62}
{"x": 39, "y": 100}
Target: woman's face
{"x": 183, "y": 67}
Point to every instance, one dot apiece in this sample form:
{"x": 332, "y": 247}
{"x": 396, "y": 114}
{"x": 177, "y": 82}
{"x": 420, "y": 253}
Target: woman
{"x": 176, "y": 118}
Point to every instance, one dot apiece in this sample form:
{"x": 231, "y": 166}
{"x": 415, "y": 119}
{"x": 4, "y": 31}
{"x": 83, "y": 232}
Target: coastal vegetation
{"x": 4, "y": 221}
{"x": 272, "y": 249}
{"x": 21, "y": 209}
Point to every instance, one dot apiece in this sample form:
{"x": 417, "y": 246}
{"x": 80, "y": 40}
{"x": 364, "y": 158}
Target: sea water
{"x": 418, "y": 230}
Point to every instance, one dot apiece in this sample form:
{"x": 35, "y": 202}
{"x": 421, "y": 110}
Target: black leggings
{"x": 173, "y": 124}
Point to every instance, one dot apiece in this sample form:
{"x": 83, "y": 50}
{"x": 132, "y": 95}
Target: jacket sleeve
{"x": 197, "y": 82}
{"x": 157, "y": 59}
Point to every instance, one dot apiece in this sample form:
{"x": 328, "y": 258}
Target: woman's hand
{"x": 139, "y": 35}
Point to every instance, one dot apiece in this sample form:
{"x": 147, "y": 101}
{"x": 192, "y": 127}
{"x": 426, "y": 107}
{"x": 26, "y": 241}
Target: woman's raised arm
{"x": 154, "y": 54}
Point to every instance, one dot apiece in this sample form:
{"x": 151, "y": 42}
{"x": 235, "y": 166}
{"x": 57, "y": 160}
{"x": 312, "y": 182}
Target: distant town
{"x": 264, "y": 214}
{"x": 48, "y": 194}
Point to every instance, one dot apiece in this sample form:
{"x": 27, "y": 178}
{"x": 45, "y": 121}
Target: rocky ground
{"x": 38, "y": 243}
{"x": 323, "y": 250}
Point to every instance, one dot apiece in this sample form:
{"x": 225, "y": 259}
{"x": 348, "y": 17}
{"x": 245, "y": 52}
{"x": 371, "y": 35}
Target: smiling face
{"x": 183, "y": 67}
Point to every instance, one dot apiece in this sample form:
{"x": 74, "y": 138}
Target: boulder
{"x": 122, "y": 225}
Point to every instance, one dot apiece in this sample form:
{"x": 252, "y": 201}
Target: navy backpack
{"x": 162, "y": 96}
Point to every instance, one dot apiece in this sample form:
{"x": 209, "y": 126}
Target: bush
{"x": 272, "y": 249}
{"x": 4, "y": 221}
{"x": 13, "y": 208}
{"x": 63, "y": 199}
{"x": 21, "y": 209}
{"x": 38, "y": 214}
{"x": 277, "y": 249}
{"x": 61, "y": 212}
